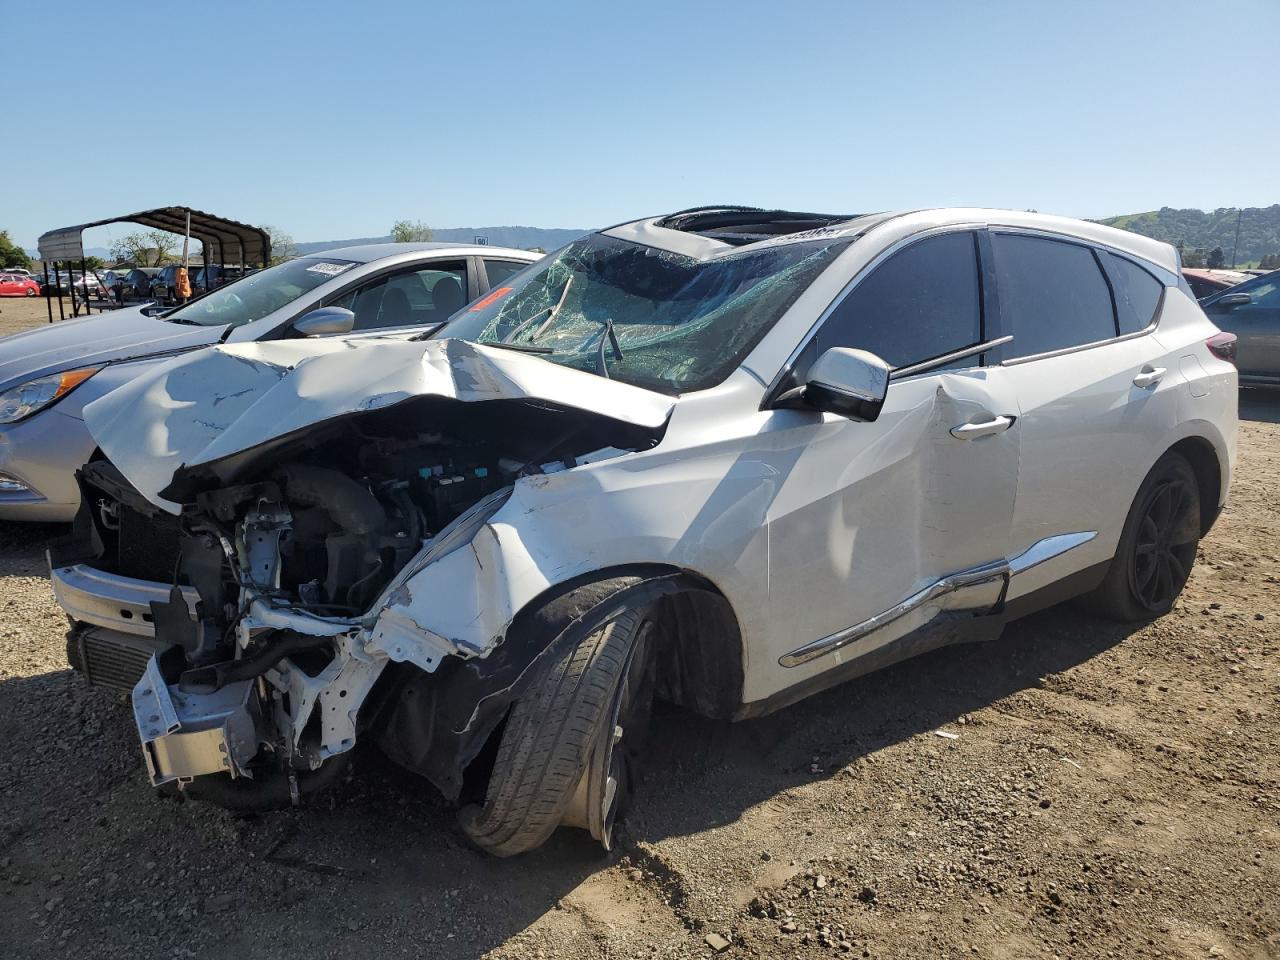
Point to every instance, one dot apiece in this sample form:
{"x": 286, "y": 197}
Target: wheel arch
{"x": 440, "y": 724}
{"x": 701, "y": 660}
{"x": 1205, "y": 462}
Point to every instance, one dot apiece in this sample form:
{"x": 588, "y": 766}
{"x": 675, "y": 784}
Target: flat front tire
{"x": 564, "y": 755}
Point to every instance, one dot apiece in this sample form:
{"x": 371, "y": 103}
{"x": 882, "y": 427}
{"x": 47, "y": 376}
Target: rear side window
{"x": 922, "y": 302}
{"x": 1137, "y": 293}
{"x": 412, "y": 298}
{"x": 1052, "y": 294}
{"x": 499, "y": 270}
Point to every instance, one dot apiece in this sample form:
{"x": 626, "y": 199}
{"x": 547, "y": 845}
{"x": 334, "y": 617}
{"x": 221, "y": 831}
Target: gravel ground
{"x": 1101, "y": 792}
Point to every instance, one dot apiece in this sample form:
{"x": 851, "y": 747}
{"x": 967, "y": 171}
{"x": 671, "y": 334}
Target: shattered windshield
{"x": 648, "y": 317}
{"x": 259, "y": 294}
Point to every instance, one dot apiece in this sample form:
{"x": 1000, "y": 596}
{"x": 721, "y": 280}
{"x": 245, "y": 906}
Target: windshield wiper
{"x": 549, "y": 311}
{"x": 551, "y": 315}
{"x": 607, "y": 335}
{"x": 519, "y": 347}
{"x": 426, "y": 334}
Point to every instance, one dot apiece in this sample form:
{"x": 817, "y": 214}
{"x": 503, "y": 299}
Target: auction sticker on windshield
{"x": 493, "y": 297}
{"x": 329, "y": 269}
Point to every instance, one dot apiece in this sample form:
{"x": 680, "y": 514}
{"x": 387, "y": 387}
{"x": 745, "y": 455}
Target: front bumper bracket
{"x": 189, "y": 735}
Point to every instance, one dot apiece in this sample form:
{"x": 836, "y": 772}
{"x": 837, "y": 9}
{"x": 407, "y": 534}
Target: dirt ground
{"x": 1101, "y": 792}
{"x": 23, "y": 313}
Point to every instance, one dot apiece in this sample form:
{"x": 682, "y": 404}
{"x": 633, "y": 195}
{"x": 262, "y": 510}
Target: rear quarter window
{"x": 499, "y": 270}
{"x": 1137, "y": 293}
{"x": 1053, "y": 295}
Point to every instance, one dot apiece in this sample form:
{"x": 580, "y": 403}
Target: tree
{"x": 154, "y": 248}
{"x": 1217, "y": 259}
{"x": 410, "y": 231}
{"x": 1270, "y": 262}
{"x": 94, "y": 263}
{"x": 282, "y": 245}
{"x": 12, "y": 255}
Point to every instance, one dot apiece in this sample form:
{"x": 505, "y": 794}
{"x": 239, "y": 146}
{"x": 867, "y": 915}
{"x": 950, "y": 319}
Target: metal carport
{"x": 224, "y": 241}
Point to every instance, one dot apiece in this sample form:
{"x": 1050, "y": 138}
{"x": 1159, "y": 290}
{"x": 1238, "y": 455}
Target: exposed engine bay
{"x": 283, "y": 565}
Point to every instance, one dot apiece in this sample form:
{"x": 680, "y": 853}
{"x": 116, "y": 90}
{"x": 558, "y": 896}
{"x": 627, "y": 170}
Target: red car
{"x": 16, "y": 285}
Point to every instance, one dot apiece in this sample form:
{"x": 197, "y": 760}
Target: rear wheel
{"x": 1157, "y": 546}
{"x": 567, "y": 751}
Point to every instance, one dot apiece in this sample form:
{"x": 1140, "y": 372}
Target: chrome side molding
{"x": 978, "y": 588}
{"x": 1047, "y": 549}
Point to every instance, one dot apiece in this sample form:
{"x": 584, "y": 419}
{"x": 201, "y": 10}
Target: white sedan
{"x": 728, "y": 457}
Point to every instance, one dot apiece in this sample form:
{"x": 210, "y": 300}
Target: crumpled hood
{"x": 213, "y": 403}
{"x": 118, "y": 335}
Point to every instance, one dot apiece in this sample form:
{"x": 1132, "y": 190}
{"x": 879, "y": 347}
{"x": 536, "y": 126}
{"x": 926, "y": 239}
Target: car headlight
{"x": 27, "y": 398}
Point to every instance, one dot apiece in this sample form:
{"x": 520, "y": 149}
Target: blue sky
{"x": 333, "y": 120}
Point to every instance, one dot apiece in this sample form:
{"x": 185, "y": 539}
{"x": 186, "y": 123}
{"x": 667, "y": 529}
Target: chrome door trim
{"x": 1047, "y": 549}
{"x": 1063, "y": 351}
{"x": 976, "y": 589}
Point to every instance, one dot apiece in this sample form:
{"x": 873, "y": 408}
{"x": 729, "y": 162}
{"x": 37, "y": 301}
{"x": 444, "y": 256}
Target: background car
{"x": 1251, "y": 310}
{"x": 113, "y": 281}
{"x": 88, "y": 285}
{"x": 164, "y": 285}
{"x": 1205, "y": 283}
{"x": 48, "y": 374}
{"x": 55, "y": 284}
{"x": 18, "y": 285}
{"x": 215, "y": 275}
{"x": 137, "y": 283}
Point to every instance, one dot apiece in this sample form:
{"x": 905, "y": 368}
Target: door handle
{"x": 975, "y": 431}
{"x": 1149, "y": 377}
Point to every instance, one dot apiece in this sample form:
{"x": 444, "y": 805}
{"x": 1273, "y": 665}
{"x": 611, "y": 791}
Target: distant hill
{"x": 1198, "y": 230}
{"x": 521, "y": 237}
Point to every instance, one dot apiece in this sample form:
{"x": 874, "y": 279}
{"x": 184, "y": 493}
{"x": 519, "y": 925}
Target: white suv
{"x": 727, "y": 457}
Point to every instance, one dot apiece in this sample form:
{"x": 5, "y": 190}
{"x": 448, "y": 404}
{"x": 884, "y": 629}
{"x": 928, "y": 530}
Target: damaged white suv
{"x": 727, "y": 457}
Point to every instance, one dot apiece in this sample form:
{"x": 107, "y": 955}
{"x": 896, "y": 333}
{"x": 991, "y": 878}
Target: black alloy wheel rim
{"x": 623, "y": 737}
{"x": 1165, "y": 546}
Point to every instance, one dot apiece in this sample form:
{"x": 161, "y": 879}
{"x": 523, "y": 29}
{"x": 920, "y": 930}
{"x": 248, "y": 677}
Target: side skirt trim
{"x": 979, "y": 589}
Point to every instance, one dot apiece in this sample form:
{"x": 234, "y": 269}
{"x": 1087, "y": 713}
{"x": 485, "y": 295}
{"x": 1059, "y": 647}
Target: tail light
{"x": 1223, "y": 346}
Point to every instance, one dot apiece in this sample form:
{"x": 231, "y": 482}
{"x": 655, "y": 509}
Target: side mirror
{"x": 847, "y": 382}
{"x": 1234, "y": 299}
{"x": 324, "y": 321}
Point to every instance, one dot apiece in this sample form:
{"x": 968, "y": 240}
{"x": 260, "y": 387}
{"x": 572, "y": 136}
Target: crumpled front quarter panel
{"x": 700, "y": 507}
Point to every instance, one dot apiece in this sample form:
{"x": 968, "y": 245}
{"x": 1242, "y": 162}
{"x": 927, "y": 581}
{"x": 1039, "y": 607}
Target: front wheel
{"x": 566, "y": 752}
{"x": 1157, "y": 546}
{"x": 30, "y": 292}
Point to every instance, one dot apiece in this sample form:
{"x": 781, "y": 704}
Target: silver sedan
{"x": 48, "y": 375}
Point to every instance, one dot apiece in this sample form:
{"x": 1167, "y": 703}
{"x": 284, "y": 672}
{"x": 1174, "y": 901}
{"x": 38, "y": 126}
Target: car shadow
{"x": 378, "y": 858}
{"x": 1260, "y": 405}
{"x": 22, "y": 547}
